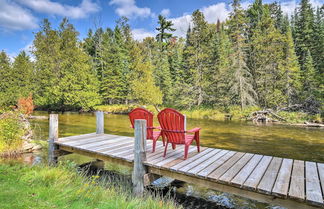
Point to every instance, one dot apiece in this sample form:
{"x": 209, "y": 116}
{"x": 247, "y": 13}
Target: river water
{"x": 276, "y": 140}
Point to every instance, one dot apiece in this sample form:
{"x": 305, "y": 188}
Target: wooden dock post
{"x": 53, "y": 136}
{"x": 100, "y": 122}
{"x": 139, "y": 157}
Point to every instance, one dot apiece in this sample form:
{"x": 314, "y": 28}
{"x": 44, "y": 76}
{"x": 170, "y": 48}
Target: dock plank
{"x": 176, "y": 156}
{"x": 269, "y": 178}
{"x": 297, "y": 182}
{"x": 196, "y": 162}
{"x": 99, "y": 144}
{"x": 240, "y": 178}
{"x": 227, "y": 165}
{"x": 233, "y": 170}
{"x": 68, "y": 138}
{"x": 189, "y": 160}
{"x": 253, "y": 180}
{"x": 89, "y": 140}
{"x": 206, "y": 171}
{"x": 313, "y": 188}
{"x": 207, "y": 162}
{"x": 281, "y": 185}
{"x": 320, "y": 167}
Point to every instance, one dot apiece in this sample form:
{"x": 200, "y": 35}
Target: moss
{"x": 22, "y": 186}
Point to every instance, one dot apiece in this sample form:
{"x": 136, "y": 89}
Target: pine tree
{"x": 265, "y": 55}
{"x": 5, "y": 80}
{"x": 143, "y": 89}
{"x": 58, "y": 60}
{"x": 291, "y": 70}
{"x": 241, "y": 87}
{"x": 304, "y": 28}
{"x": 309, "y": 76}
{"x": 196, "y": 58}
{"x": 318, "y": 37}
{"x": 164, "y": 26}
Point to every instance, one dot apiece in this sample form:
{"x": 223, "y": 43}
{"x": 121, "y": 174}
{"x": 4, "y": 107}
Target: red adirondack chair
{"x": 141, "y": 113}
{"x": 173, "y": 125}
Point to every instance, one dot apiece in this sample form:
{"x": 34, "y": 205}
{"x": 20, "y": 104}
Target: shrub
{"x": 11, "y": 132}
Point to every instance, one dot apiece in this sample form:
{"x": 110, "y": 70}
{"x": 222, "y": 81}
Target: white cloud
{"x": 141, "y": 33}
{"x": 14, "y": 17}
{"x": 165, "y": 12}
{"x": 212, "y": 14}
{"x": 215, "y": 12}
{"x": 49, "y": 7}
{"x": 129, "y": 9}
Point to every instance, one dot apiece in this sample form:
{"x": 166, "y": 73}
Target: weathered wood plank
{"x": 253, "y": 180}
{"x": 179, "y": 160}
{"x": 189, "y": 160}
{"x": 127, "y": 146}
{"x": 76, "y": 137}
{"x": 240, "y": 178}
{"x": 206, "y": 171}
{"x": 100, "y": 142}
{"x": 176, "y": 156}
{"x": 159, "y": 157}
{"x": 297, "y": 182}
{"x": 313, "y": 188}
{"x": 232, "y": 171}
{"x": 198, "y": 161}
{"x": 207, "y": 162}
{"x": 267, "y": 181}
{"x": 53, "y": 136}
{"x": 96, "y": 138}
{"x": 281, "y": 185}
{"x": 139, "y": 169}
{"x": 113, "y": 146}
{"x": 320, "y": 167}
{"x": 216, "y": 174}
{"x": 99, "y": 122}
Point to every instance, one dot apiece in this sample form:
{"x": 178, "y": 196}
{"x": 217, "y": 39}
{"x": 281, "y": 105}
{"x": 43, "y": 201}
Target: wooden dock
{"x": 274, "y": 180}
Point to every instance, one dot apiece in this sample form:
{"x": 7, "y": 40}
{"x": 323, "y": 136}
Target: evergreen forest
{"x": 257, "y": 57}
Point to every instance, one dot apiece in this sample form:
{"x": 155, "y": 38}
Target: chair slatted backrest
{"x": 141, "y": 113}
{"x": 173, "y": 125}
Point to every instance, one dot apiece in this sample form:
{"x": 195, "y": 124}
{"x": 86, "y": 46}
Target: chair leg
{"x": 186, "y": 151}
{"x": 165, "y": 149}
{"x": 174, "y": 146}
{"x": 198, "y": 143}
{"x": 163, "y": 140}
{"x": 154, "y": 144}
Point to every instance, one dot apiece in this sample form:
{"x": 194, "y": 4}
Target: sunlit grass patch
{"x": 22, "y": 186}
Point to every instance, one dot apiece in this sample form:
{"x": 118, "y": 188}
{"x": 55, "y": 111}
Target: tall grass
{"x": 22, "y": 186}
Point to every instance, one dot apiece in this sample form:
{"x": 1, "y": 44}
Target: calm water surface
{"x": 276, "y": 140}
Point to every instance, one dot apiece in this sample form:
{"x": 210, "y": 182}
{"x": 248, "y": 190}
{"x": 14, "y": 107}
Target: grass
{"x": 23, "y": 186}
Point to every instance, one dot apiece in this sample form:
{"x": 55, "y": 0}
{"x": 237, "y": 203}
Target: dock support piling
{"x": 100, "y": 122}
{"x": 140, "y": 169}
{"x": 53, "y": 136}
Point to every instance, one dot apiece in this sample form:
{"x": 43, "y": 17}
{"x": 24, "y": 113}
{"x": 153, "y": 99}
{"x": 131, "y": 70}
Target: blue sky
{"x": 20, "y": 19}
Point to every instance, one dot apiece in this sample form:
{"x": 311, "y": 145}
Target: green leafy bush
{"x": 11, "y": 131}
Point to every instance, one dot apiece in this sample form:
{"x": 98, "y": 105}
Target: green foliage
{"x": 11, "y": 132}
{"x": 41, "y": 186}
{"x": 64, "y": 75}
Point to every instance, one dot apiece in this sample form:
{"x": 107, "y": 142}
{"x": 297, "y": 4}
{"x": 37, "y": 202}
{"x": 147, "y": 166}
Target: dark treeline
{"x": 258, "y": 56}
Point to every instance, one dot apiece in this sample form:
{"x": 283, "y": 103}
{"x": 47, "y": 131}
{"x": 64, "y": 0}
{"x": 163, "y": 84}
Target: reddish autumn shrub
{"x": 26, "y": 105}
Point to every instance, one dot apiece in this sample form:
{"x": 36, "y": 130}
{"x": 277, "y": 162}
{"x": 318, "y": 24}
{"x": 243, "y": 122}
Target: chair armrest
{"x": 194, "y": 130}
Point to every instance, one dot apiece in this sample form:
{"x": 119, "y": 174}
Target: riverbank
{"x": 233, "y": 113}
{"x": 40, "y": 186}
